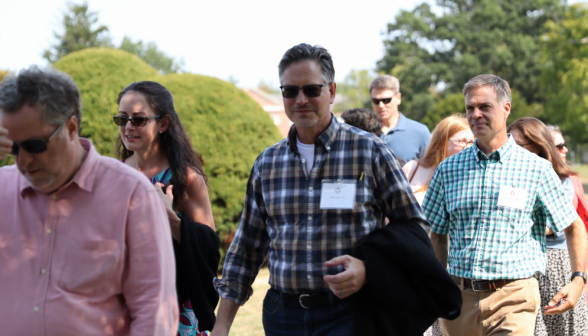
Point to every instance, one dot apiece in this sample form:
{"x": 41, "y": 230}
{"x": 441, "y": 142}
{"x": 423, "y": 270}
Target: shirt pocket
{"x": 511, "y": 217}
{"x": 91, "y": 266}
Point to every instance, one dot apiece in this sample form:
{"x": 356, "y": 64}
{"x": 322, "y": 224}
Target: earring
{"x": 160, "y": 132}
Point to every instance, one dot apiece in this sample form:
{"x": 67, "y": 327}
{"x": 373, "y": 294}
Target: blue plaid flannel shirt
{"x": 282, "y": 214}
{"x": 487, "y": 241}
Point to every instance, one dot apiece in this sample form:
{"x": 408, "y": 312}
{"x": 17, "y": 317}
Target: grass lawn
{"x": 248, "y": 319}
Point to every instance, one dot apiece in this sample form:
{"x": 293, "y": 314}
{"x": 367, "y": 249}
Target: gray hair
{"x": 385, "y": 82}
{"x": 501, "y": 87}
{"x": 54, "y": 92}
{"x": 554, "y": 128}
{"x": 306, "y": 52}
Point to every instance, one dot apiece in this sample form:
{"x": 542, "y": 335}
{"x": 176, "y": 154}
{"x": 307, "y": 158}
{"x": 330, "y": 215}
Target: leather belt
{"x": 312, "y": 300}
{"x": 484, "y": 285}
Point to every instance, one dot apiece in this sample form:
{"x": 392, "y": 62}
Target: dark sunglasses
{"x": 386, "y": 101}
{"x": 560, "y": 146}
{"x": 33, "y": 146}
{"x": 135, "y": 121}
{"x": 310, "y": 90}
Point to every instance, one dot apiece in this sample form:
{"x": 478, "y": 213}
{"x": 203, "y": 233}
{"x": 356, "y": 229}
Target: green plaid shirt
{"x": 488, "y": 241}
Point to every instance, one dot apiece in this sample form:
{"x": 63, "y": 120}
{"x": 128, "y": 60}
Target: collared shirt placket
{"x": 46, "y": 249}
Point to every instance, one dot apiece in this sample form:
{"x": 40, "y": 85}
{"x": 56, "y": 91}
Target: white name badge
{"x": 512, "y": 197}
{"x": 339, "y": 195}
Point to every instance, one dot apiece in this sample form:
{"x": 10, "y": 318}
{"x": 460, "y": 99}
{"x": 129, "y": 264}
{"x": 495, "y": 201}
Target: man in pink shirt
{"x": 85, "y": 245}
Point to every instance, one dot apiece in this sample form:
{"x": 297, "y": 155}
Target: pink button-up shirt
{"x": 94, "y": 258}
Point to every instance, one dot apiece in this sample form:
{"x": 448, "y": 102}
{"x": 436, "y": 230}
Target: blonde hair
{"x": 437, "y": 150}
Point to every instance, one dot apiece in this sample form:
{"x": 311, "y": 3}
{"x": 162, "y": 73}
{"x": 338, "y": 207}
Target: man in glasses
{"x": 310, "y": 198}
{"x": 407, "y": 138}
{"x": 84, "y": 245}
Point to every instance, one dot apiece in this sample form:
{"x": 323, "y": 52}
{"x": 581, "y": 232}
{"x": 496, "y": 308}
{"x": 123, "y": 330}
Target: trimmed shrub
{"x": 227, "y": 128}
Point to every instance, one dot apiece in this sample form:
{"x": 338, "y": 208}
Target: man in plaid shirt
{"x": 310, "y": 198}
{"x": 494, "y": 201}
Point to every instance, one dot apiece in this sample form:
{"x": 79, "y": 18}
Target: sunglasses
{"x": 560, "y": 146}
{"x": 33, "y": 146}
{"x": 135, "y": 121}
{"x": 386, "y": 101}
{"x": 310, "y": 90}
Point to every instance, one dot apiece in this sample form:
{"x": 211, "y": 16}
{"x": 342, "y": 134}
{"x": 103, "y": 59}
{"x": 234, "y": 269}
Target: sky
{"x": 240, "y": 39}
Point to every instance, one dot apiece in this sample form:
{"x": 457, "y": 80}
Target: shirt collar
{"x": 84, "y": 177}
{"x": 499, "y": 155}
{"x": 326, "y": 138}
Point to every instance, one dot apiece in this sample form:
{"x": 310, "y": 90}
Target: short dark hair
{"x": 364, "y": 119}
{"x": 54, "y": 92}
{"x": 306, "y": 52}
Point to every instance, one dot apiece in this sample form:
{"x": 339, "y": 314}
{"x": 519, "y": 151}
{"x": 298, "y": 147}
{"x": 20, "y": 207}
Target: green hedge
{"x": 227, "y": 128}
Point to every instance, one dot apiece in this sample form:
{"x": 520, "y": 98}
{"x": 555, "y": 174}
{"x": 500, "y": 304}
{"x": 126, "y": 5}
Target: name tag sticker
{"x": 512, "y": 197}
{"x": 339, "y": 195}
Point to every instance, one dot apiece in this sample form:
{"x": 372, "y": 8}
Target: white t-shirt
{"x": 307, "y": 152}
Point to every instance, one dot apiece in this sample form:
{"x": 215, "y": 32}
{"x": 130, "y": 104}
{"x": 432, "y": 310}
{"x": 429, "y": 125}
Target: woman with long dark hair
{"x": 533, "y": 135}
{"x": 152, "y": 139}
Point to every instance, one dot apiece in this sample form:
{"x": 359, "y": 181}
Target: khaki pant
{"x": 510, "y": 310}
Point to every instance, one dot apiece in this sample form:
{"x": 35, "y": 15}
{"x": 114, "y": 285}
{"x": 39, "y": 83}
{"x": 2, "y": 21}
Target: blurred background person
{"x": 533, "y": 135}
{"x": 152, "y": 139}
{"x": 449, "y": 137}
{"x": 407, "y": 138}
{"x": 365, "y": 119}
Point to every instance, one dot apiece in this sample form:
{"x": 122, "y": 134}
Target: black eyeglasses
{"x": 561, "y": 146}
{"x": 310, "y": 90}
{"x": 386, "y": 101}
{"x": 33, "y": 146}
{"x": 135, "y": 121}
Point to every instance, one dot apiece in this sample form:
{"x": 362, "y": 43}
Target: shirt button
{"x": 54, "y": 196}
{"x": 309, "y": 188}
{"x": 308, "y": 277}
{"x": 308, "y": 247}
{"x": 309, "y": 217}
{"x": 484, "y": 220}
{"x": 36, "y": 309}
{"x": 303, "y": 160}
{"x": 487, "y": 197}
{"x": 43, "y": 271}
{"x": 49, "y": 231}
{"x": 328, "y": 148}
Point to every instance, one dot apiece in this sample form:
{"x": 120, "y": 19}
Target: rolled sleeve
{"x": 249, "y": 247}
{"x": 434, "y": 205}
{"x": 554, "y": 206}
{"x": 149, "y": 284}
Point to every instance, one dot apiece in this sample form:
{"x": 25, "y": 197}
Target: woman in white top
{"x": 450, "y": 136}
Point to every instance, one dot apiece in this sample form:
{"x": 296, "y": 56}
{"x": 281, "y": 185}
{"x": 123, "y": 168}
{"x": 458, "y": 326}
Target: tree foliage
{"x": 150, "y": 53}
{"x": 432, "y": 52}
{"x": 565, "y": 73}
{"x": 80, "y": 32}
{"x": 355, "y": 90}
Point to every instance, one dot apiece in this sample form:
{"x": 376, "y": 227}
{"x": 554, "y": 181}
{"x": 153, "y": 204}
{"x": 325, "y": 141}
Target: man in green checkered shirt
{"x": 494, "y": 201}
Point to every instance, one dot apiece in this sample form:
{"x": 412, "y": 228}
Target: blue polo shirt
{"x": 409, "y": 139}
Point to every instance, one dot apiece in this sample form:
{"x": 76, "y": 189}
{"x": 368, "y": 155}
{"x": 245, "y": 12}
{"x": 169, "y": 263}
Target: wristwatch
{"x": 580, "y": 274}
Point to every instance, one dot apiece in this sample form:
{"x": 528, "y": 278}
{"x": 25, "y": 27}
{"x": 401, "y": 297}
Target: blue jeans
{"x": 282, "y": 317}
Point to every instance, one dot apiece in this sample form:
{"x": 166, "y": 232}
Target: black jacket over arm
{"x": 197, "y": 259}
{"x": 407, "y": 288}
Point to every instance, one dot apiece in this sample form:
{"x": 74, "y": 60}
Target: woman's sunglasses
{"x": 310, "y": 90}
{"x": 33, "y": 146}
{"x": 135, "y": 121}
{"x": 560, "y": 146}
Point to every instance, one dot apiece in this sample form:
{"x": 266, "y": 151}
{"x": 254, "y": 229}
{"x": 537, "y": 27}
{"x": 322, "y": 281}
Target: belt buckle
{"x": 474, "y": 282}
{"x": 300, "y": 300}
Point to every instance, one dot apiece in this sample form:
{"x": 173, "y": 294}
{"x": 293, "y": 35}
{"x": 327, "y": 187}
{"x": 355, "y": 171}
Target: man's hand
{"x": 349, "y": 281}
{"x": 5, "y": 144}
{"x": 570, "y": 293}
